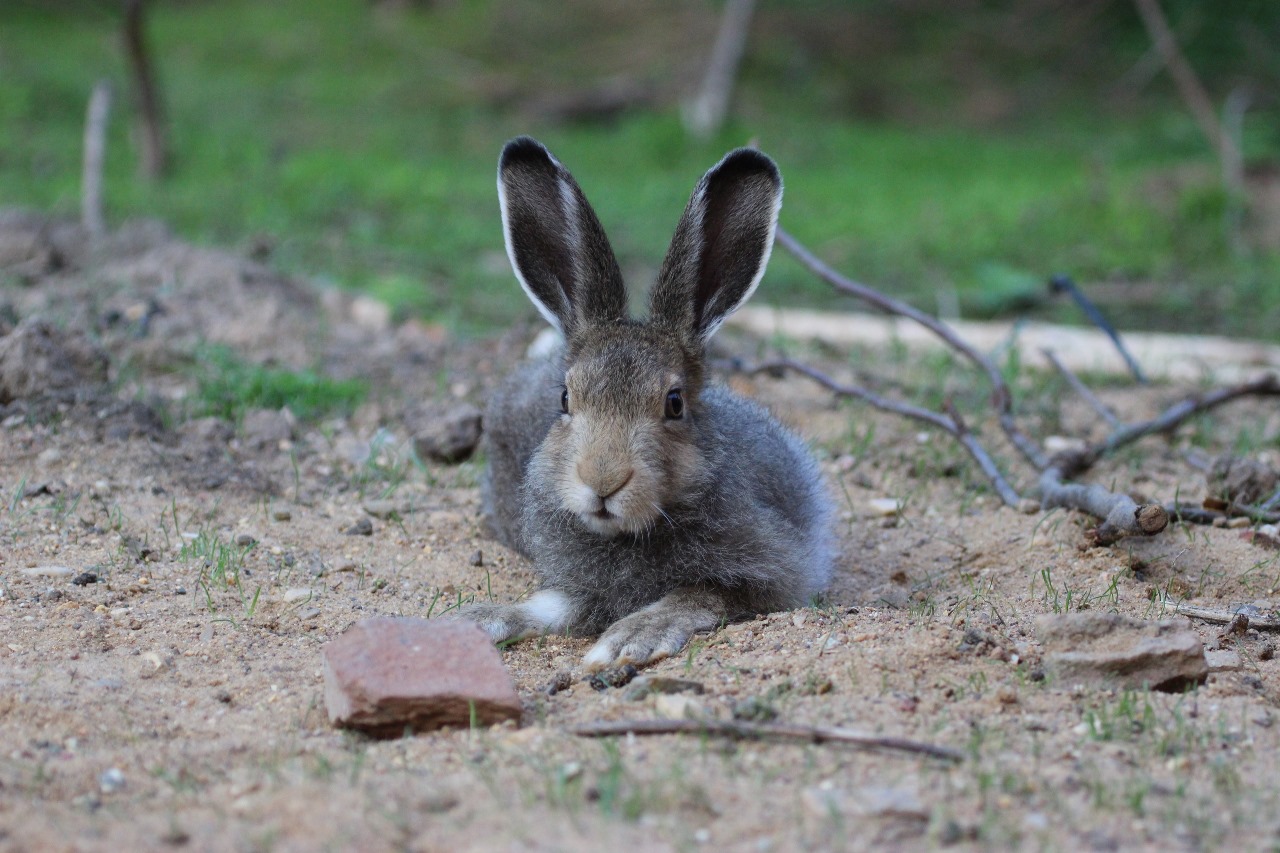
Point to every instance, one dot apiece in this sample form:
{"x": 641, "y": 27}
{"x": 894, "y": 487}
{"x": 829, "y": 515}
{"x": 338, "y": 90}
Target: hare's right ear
{"x": 556, "y": 245}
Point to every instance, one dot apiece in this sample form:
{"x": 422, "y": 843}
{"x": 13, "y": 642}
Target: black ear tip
{"x": 748, "y": 162}
{"x": 524, "y": 149}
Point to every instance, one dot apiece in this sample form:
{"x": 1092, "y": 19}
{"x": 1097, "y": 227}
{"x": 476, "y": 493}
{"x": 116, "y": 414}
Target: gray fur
{"x": 649, "y": 527}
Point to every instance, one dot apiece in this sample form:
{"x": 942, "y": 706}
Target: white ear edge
{"x": 710, "y": 331}
{"x": 542, "y": 307}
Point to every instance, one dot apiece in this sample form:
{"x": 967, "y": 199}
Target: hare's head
{"x": 623, "y": 447}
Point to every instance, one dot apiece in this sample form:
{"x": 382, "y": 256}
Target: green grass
{"x": 227, "y": 387}
{"x": 362, "y": 145}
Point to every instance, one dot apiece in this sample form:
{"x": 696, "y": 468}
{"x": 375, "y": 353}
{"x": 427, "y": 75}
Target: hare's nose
{"x": 606, "y": 484}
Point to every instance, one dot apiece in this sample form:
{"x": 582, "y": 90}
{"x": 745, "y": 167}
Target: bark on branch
{"x": 767, "y": 731}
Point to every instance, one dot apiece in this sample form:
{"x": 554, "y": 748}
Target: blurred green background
{"x": 953, "y": 152}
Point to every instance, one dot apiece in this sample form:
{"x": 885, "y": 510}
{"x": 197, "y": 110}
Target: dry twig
{"x": 1104, "y": 411}
{"x": 1121, "y": 515}
{"x": 1066, "y": 284}
{"x": 1258, "y": 618}
{"x": 766, "y": 731}
{"x": 1002, "y": 397}
{"x": 949, "y": 423}
{"x": 95, "y": 146}
{"x": 1192, "y": 92}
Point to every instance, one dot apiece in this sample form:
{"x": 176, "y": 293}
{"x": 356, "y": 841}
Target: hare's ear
{"x": 557, "y": 247}
{"x": 720, "y": 248}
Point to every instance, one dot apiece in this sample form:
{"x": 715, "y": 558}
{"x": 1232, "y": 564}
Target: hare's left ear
{"x": 721, "y": 246}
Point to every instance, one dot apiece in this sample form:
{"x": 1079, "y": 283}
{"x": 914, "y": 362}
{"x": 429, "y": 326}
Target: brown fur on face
{"x": 620, "y": 461}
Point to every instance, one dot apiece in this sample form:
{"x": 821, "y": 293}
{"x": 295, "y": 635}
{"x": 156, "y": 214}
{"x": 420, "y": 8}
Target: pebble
{"x": 362, "y": 527}
{"x": 885, "y": 506}
{"x": 678, "y": 706}
{"x": 647, "y": 685}
{"x": 385, "y": 509}
{"x": 244, "y": 540}
{"x": 301, "y": 593}
{"x": 111, "y": 780}
{"x": 308, "y": 613}
{"x": 281, "y": 515}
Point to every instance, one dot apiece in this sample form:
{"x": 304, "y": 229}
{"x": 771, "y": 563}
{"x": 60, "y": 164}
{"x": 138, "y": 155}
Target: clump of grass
{"x": 227, "y": 386}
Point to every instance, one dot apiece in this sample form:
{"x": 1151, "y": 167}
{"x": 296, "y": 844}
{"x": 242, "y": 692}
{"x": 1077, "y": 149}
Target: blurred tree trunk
{"x": 705, "y": 114}
{"x": 153, "y": 159}
{"x": 95, "y": 144}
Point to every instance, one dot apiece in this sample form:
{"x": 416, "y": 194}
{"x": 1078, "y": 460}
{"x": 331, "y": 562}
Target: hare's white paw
{"x": 547, "y": 611}
{"x": 658, "y": 631}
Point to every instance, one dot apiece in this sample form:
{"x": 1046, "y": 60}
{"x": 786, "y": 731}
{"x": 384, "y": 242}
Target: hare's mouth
{"x": 603, "y": 513}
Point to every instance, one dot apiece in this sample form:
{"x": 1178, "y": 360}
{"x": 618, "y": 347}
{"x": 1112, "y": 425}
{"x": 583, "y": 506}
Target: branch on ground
{"x": 743, "y": 730}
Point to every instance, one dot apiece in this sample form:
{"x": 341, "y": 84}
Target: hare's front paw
{"x": 546, "y": 611}
{"x": 658, "y": 631}
{"x": 499, "y": 621}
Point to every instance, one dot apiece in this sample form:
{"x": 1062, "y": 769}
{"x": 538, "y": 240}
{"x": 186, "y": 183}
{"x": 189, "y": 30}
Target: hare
{"x": 653, "y": 505}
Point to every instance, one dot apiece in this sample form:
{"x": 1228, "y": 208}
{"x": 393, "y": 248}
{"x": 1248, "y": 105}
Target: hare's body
{"x": 651, "y": 506}
{"x": 760, "y": 531}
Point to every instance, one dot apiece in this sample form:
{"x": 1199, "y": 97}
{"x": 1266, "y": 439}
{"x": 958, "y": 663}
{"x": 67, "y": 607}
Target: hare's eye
{"x": 564, "y": 401}
{"x": 675, "y": 404}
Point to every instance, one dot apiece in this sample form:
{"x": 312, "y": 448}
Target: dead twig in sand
{"x": 1103, "y": 410}
{"x": 95, "y": 146}
{"x": 949, "y": 423}
{"x": 1120, "y": 515}
{"x": 766, "y": 731}
{"x": 1001, "y": 396}
{"x": 1257, "y": 618}
{"x": 1066, "y": 284}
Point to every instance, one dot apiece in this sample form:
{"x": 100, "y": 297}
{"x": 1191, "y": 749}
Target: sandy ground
{"x": 177, "y": 701}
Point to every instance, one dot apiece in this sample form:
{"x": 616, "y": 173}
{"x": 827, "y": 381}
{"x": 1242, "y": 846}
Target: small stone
{"x": 562, "y": 680}
{"x": 308, "y": 613}
{"x": 1055, "y": 444}
{"x": 155, "y": 663}
{"x": 386, "y": 509}
{"x": 678, "y": 706}
{"x": 281, "y": 514}
{"x": 1239, "y": 523}
{"x": 244, "y": 540}
{"x": 1028, "y": 506}
{"x": 1223, "y": 660}
{"x": 647, "y": 685}
{"x": 301, "y": 593}
{"x": 477, "y": 558}
{"x": 264, "y": 428}
{"x": 111, "y": 780}
{"x": 362, "y": 527}
{"x": 84, "y": 579}
{"x": 885, "y": 506}
{"x": 1112, "y": 650}
{"x": 388, "y": 674}
{"x": 799, "y": 618}
{"x": 450, "y": 436}
{"x": 1267, "y": 650}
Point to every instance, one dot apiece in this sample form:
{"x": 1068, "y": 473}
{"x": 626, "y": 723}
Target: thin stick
{"x": 1002, "y": 397}
{"x": 1189, "y": 86}
{"x": 1104, "y": 411}
{"x": 154, "y": 154}
{"x": 1121, "y": 515}
{"x": 1065, "y": 284}
{"x": 1256, "y": 619}
{"x": 706, "y": 112}
{"x": 766, "y": 731}
{"x": 95, "y": 145}
{"x": 953, "y": 425}
{"x": 1171, "y": 418}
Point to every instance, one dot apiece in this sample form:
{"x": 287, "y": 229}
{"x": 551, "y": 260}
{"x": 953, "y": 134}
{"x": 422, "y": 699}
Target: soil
{"x": 167, "y": 583}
